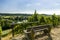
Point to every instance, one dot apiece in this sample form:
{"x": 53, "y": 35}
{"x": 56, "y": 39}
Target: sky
{"x": 28, "y": 6}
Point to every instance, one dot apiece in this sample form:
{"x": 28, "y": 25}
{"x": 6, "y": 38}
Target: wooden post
{"x": 0, "y": 32}
{"x": 32, "y": 34}
{"x": 0, "y": 37}
{"x": 12, "y": 25}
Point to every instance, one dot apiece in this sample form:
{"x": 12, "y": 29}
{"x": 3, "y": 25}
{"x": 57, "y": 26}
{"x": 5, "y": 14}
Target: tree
{"x": 42, "y": 20}
{"x": 54, "y": 20}
{"x": 30, "y": 19}
{"x": 48, "y": 19}
{"x": 59, "y": 19}
{"x": 6, "y": 24}
{"x": 17, "y": 18}
{"x": 35, "y": 16}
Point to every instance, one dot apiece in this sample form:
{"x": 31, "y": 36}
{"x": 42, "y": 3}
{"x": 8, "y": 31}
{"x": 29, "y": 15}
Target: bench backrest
{"x": 38, "y": 27}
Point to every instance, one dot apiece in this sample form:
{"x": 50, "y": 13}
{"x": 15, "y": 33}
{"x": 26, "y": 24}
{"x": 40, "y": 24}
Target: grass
{"x": 6, "y": 32}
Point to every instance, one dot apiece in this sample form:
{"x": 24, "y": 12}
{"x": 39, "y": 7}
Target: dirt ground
{"x": 54, "y": 35}
{"x": 7, "y": 37}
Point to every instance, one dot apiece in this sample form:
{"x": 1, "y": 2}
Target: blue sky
{"x": 28, "y": 6}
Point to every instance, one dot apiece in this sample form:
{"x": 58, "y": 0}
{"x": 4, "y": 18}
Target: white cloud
{"x": 57, "y": 12}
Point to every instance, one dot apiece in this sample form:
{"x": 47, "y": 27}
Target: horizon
{"x": 26, "y": 6}
{"x": 51, "y": 12}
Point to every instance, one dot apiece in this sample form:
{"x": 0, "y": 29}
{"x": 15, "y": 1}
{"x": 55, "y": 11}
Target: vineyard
{"x": 14, "y": 26}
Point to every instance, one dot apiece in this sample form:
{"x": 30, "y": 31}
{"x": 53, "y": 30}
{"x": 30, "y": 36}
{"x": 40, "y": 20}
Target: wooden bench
{"x": 45, "y": 28}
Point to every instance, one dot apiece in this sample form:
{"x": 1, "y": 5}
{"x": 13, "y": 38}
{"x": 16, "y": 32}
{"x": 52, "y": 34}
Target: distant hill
{"x": 45, "y": 14}
{"x": 19, "y": 14}
{"x": 15, "y": 14}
